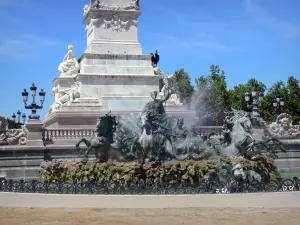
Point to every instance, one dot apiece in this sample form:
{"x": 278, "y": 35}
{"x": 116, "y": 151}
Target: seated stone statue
{"x": 69, "y": 66}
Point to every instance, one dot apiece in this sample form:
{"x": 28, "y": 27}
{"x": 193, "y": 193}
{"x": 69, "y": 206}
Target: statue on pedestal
{"x": 155, "y": 58}
{"x": 70, "y": 65}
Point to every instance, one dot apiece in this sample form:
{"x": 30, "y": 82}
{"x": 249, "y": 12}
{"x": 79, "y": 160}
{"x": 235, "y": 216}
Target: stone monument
{"x": 112, "y": 74}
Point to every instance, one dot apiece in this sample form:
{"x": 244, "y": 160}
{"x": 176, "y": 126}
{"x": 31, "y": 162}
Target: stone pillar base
{"x": 35, "y": 129}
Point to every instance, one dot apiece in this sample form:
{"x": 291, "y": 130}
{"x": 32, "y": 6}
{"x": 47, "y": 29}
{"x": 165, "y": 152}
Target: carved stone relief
{"x": 11, "y": 136}
{"x": 115, "y": 24}
{"x": 283, "y": 128}
{"x": 134, "y": 5}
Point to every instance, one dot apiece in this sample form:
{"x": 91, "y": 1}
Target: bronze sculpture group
{"x": 163, "y": 138}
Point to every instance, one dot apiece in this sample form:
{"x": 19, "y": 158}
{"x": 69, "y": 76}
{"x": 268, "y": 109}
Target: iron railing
{"x": 146, "y": 188}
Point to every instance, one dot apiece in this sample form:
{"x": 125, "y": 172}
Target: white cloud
{"x": 25, "y": 46}
{"x": 261, "y": 15}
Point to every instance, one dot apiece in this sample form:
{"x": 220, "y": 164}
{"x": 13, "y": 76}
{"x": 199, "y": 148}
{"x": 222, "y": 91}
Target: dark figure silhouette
{"x": 155, "y": 58}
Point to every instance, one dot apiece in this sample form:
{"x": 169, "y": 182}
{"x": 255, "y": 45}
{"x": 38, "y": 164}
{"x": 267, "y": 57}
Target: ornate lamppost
{"x": 33, "y": 106}
{"x": 19, "y": 118}
{"x": 278, "y": 103}
{"x": 252, "y": 100}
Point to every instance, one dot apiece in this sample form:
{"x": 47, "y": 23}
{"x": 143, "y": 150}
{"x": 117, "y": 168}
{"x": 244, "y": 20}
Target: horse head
{"x": 242, "y": 124}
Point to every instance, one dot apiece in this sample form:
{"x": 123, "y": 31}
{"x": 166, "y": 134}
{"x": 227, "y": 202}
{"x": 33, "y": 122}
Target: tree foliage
{"x": 213, "y": 97}
{"x": 184, "y": 88}
{"x": 290, "y": 92}
{"x": 237, "y": 94}
{"x": 13, "y": 124}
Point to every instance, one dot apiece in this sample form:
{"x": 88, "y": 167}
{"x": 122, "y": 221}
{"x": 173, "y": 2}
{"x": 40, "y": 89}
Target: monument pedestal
{"x": 114, "y": 74}
{"x": 35, "y": 133}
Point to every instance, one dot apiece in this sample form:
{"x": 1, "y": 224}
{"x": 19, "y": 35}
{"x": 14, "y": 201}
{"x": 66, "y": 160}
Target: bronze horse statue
{"x": 242, "y": 142}
{"x": 101, "y": 143}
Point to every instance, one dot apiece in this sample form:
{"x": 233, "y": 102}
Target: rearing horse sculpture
{"x": 101, "y": 144}
{"x": 242, "y": 142}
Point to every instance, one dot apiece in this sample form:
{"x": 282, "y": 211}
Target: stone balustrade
{"x": 52, "y": 134}
{"x": 206, "y": 130}
{"x": 57, "y": 134}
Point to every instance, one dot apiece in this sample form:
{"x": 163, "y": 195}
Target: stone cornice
{"x": 121, "y": 76}
{"x": 117, "y": 56}
{"x": 98, "y": 13}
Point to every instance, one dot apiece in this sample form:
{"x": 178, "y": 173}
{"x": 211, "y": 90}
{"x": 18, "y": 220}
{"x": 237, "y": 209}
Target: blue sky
{"x": 247, "y": 38}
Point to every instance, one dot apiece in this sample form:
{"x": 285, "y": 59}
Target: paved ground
{"x": 199, "y": 216}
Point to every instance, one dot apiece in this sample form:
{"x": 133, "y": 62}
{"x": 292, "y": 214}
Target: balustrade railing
{"x": 206, "y": 130}
{"x": 73, "y": 133}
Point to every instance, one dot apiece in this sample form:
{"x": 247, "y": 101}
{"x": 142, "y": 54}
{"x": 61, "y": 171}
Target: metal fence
{"x": 146, "y": 188}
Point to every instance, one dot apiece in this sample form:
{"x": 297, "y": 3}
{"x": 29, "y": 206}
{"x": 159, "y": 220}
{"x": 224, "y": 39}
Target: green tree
{"x": 293, "y": 100}
{"x": 183, "y": 86}
{"x": 212, "y": 96}
{"x": 237, "y": 94}
{"x": 12, "y": 124}
{"x": 290, "y": 92}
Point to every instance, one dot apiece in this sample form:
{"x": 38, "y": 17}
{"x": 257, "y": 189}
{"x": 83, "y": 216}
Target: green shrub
{"x": 191, "y": 171}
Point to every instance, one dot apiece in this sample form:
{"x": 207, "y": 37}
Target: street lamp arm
{"x": 33, "y": 106}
